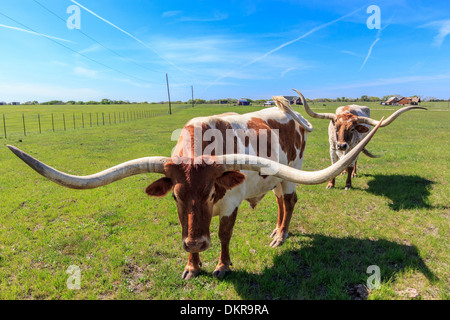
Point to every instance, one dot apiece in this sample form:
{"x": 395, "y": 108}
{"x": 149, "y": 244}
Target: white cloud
{"x": 287, "y": 70}
{"x": 443, "y": 29}
{"x": 128, "y": 34}
{"x": 89, "y": 73}
{"x": 217, "y": 16}
{"x": 34, "y": 33}
{"x": 43, "y": 92}
{"x": 391, "y": 81}
{"x": 369, "y": 53}
{"x": 167, "y": 14}
{"x": 94, "y": 48}
{"x": 209, "y": 58}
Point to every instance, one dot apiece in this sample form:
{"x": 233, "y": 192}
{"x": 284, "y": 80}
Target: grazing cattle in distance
{"x": 348, "y": 126}
{"x": 207, "y": 180}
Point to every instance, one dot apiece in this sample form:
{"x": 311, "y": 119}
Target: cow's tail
{"x": 282, "y": 103}
{"x": 369, "y": 154}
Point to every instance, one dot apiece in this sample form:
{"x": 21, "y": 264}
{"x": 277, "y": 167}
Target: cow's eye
{"x": 213, "y": 195}
{"x": 174, "y": 197}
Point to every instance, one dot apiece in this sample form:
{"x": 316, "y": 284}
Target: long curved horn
{"x": 254, "y": 163}
{"x": 329, "y": 116}
{"x": 389, "y": 120}
{"x": 282, "y": 103}
{"x": 124, "y": 170}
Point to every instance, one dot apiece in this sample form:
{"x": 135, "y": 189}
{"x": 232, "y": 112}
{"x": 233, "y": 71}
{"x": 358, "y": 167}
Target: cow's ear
{"x": 361, "y": 129}
{"x": 230, "y": 179}
{"x": 160, "y": 187}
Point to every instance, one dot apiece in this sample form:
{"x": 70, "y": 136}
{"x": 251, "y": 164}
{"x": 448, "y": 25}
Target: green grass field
{"x": 128, "y": 246}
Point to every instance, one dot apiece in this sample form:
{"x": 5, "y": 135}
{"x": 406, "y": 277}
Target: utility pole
{"x": 168, "y": 94}
{"x": 192, "y": 91}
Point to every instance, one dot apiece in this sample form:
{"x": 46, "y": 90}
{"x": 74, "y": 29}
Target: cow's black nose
{"x": 342, "y": 146}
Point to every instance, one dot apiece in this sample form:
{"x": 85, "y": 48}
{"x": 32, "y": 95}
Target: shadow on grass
{"x": 406, "y": 192}
{"x": 327, "y": 268}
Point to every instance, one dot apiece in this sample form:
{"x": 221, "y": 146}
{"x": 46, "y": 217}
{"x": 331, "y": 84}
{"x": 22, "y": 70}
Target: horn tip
{"x": 14, "y": 149}
{"x": 379, "y": 123}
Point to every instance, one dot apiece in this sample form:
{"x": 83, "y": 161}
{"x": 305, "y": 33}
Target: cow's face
{"x": 346, "y": 125}
{"x": 196, "y": 188}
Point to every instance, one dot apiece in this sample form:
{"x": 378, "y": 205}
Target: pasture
{"x": 128, "y": 246}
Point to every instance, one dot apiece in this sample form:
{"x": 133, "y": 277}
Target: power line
{"x": 94, "y": 40}
{"x": 79, "y": 53}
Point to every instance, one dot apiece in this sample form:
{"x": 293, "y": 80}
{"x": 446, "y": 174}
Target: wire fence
{"x": 32, "y": 123}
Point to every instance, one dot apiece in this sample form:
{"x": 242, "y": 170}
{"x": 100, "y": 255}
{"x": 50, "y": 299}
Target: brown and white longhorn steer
{"x": 348, "y": 126}
{"x": 207, "y": 180}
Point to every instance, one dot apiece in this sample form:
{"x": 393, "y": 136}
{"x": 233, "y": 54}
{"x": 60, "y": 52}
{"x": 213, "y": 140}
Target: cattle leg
{"x": 289, "y": 199}
{"x": 334, "y": 158}
{"x": 348, "y": 183}
{"x": 354, "y": 175}
{"x": 192, "y": 268}
{"x": 225, "y": 232}
{"x": 280, "y": 202}
{"x": 331, "y": 183}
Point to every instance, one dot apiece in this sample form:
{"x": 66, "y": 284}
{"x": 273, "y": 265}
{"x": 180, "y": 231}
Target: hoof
{"x": 221, "y": 272}
{"x": 348, "y": 188}
{"x": 188, "y": 274}
{"x": 279, "y": 239}
{"x": 274, "y": 232}
{"x": 330, "y": 186}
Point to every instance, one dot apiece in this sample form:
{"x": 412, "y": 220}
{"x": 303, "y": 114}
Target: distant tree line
{"x": 363, "y": 98}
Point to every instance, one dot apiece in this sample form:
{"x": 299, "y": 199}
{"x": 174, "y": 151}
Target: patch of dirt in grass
{"x": 358, "y": 292}
{"x": 410, "y": 293}
{"x": 135, "y": 277}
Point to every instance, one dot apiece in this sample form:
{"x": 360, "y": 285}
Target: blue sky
{"x": 235, "y": 49}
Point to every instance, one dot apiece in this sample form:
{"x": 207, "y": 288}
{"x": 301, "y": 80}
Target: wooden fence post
{"x": 23, "y": 120}
{"x": 4, "y": 125}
